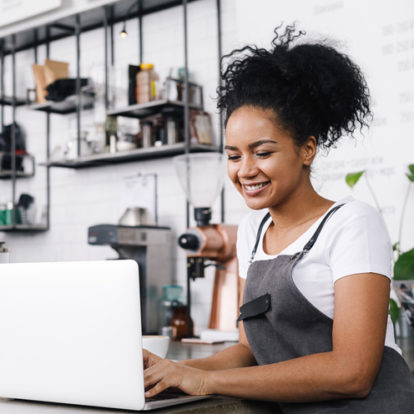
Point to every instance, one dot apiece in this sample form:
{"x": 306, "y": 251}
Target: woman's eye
{"x": 233, "y": 157}
{"x": 263, "y": 154}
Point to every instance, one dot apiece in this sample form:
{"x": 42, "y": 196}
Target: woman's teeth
{"x": 254, "y": 187}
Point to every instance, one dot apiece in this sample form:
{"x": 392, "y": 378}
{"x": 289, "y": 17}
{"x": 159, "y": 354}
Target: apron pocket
{"x": 255, "y": 307}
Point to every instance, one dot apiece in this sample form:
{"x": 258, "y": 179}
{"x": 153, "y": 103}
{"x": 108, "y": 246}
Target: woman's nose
{"x": 247, "y": 168}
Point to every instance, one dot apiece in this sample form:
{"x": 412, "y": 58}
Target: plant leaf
{"x": 404, "y": 266}
{"x": 396, "y": 247}
{"x": 352, "y": 178}
{"x": 410, "y": 174}
{"x": 394, "y": 310}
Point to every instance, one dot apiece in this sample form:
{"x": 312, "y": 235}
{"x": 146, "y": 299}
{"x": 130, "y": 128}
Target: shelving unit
{"x": 14, "y": 173}
{"x": 106, "y": 17}
{"x": 73, "y": 26}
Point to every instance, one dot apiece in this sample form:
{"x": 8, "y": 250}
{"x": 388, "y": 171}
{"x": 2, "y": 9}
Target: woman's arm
{"x": 235, "y": 356}
{"x": 349, "y": 370}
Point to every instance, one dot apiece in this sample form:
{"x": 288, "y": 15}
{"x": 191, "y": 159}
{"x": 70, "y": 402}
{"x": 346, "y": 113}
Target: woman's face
{"x": 264, "y": 163}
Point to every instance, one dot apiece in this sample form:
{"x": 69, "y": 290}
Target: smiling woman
{"x": 315, "y": 274}
{"x": 264, "y": 162}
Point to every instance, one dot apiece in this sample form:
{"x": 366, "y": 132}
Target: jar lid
{"x": 146, "y": 66}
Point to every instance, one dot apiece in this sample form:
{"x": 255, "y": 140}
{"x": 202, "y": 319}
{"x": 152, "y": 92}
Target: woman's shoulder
{"x": 353, "y": 209}
{"x": 356, "y": 220}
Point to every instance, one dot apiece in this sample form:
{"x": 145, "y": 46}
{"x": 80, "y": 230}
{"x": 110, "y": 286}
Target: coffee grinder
{"x": 201, "y": 176}
{"x": 151, "y": 248}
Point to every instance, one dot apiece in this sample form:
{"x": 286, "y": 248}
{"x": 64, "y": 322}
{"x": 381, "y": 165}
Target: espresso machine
{"x": 201, "y": 176}
{"x": 151, "y": 248}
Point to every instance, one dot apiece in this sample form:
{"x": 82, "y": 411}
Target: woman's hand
{"x": 149, "y": 358}
{"x": 161, "y": 374}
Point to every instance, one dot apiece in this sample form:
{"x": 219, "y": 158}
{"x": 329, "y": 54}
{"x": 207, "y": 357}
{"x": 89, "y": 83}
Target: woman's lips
{"x": 254, "y": 189}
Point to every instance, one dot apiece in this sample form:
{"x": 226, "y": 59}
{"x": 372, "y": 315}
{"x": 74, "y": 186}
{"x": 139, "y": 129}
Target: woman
{"x": 313, "y": 324}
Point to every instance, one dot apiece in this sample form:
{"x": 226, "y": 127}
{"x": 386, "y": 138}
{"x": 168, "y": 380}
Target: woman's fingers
{"x": 161, "y": 376}
{"x": 166, "y": 374}
{"x": 156, "y": 389}
{"x": 149, "y": 358}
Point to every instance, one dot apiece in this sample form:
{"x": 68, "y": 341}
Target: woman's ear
{"x": 309, "y": 149}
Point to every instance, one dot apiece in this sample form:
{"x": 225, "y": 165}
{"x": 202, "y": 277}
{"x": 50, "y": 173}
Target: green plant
{"x": 394, "y": 310}
{"x": 404, "y": 263}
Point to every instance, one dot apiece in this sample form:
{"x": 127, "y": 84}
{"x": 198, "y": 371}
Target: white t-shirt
{"x": 353, "y": 240}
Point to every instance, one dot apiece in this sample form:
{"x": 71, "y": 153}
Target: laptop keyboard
{"x": 167, "y": 395}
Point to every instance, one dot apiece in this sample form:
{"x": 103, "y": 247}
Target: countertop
{"x": 177, "y": 351}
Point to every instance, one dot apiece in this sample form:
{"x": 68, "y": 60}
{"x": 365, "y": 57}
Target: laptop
{"x": 70, "y": 332}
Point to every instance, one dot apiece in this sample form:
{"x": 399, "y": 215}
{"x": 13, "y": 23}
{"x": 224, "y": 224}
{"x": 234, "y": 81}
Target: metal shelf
{"x": 129, "y": 156}
{"x": 24, "y": 159}
{"x": 91, "y": 19}
{"x": 68, "y": 106}
{"x": 8, "y": 100}
{"x": 7, "y": 175}
{"x": 24, "y": 228}
{"x": 146, "y": 109}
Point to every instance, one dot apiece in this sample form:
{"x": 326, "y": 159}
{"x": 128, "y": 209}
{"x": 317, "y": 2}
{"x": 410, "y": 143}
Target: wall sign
{"x": 12, "y": 11}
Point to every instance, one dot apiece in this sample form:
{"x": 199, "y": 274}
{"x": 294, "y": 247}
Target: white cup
{"x": 157, "y": 344}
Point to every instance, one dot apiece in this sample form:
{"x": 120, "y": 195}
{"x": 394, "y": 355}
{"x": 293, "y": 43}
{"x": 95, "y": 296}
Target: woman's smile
{"x": 254, "y": 189}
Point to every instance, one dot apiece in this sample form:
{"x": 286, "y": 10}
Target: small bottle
{"x": 147, "y": 83}
{"x": 179, "y": 323}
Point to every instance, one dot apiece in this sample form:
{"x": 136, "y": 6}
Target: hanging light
{"x": 123, "y": 33}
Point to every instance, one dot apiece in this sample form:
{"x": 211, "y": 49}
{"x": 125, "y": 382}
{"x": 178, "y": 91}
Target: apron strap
{"x": 308, "y": 245}
{"x": 259, "y": 232}
{"x": 313, "y": 239}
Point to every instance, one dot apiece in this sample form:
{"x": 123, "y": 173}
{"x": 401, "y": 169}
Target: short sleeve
{"x": 242, "y": 246}
{"x": 360, "y": 243}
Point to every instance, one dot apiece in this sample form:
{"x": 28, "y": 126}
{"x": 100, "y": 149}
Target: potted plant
{"x": 403, "y": 261}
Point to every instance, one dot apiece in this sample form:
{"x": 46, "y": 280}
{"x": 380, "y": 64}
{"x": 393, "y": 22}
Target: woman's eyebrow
{"x": 261, "y": 142}
{"x": 252, "y": 145}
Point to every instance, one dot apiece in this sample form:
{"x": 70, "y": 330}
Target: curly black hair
{"x": 311, "y": 87}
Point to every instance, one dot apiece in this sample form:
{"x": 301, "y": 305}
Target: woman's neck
{"x": 302, "y": 207}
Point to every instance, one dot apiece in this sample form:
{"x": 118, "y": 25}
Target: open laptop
{"x": 70, "y": 332}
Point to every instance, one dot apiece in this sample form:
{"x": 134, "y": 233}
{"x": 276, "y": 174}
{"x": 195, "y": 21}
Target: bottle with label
{"x": 147, "y": 83}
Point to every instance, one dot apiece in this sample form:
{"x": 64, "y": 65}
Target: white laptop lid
{"x": 70, "y": 333}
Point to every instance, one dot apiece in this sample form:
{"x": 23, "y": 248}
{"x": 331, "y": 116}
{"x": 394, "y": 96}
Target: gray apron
{"x": 281, "y": 324}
